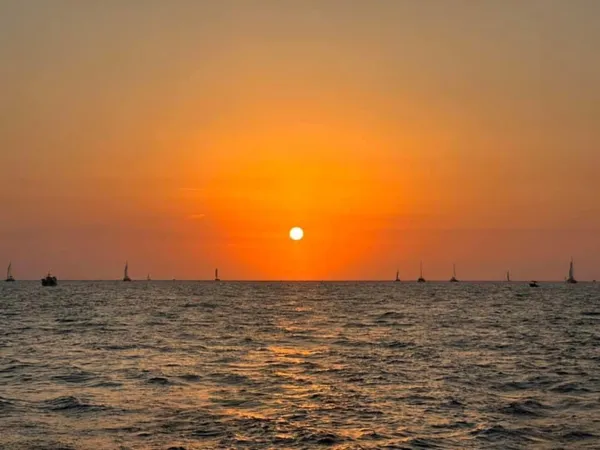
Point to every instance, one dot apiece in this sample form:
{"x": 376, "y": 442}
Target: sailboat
{"x": 126, "y": 272}
{"x": 571, "y": 278}
{"x": 421, "y": 279}
{"x": 453, "y": 279}
{"x": 9, "y": 275}
{"x": 148, "y": 278}
{"x": 508, "y": 275}
{"x": 397, "y": 275}
{"x": 217, "y": 275}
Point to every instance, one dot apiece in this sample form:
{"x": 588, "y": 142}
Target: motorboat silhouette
{"x": 49, "y": 280}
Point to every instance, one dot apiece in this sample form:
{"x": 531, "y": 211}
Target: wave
{"x": 161, "y": 381}
{"x": 14, "y": 367}
{"x": 497, "y": 433}
{"x": 389, "y": 316}
{"x": 231, "y": 378}
{"x": 326, "y": 439}
{"x": 209, "y": 433}
{"x": 396, "y": 344}
{"x": 76, "y": 376}
{"x": 190, "y": 377}
{"x": 70, "y": 404}
{"x": 578, "y": 436}
{"x": 424, "y": 443}
{"x": 527, "y": 407}
{"x": 106, "y": 384}
{"x": 569, "y": 388}
{"x": 6, "y": 404}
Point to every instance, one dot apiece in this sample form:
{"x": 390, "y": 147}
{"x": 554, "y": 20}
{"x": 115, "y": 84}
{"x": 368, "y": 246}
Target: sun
{"x": 296, "y": 233}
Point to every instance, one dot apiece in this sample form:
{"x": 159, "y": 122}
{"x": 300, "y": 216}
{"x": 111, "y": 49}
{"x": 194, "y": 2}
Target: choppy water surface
{"x": 300, "y": 365}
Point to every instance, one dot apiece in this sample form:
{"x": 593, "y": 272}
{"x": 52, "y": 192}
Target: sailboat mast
{"x": 8, "y": 271}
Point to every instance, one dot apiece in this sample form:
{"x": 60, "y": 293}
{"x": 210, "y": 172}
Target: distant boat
{"x": 148, "y": 278}
{"x": 571, "y": 278}
{"x": 9, "y": 275}
{"x": 534, "y": 284}
{"x": 508, "y": 276}
{"x": 421, "y": 279}
{"x": 49, "y": 280}
{"x": 397, "y": 275}
{"x": 217, "y": 275}
{"x": 126, "y": 272}
{"x": 453, "y": 279}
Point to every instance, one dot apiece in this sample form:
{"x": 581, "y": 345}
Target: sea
{"x": 349, "y": 365}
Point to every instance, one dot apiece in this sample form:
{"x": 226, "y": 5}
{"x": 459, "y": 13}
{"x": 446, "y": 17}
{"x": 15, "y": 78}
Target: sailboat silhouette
{"x": 571, "y": 278}
{"x": 9, "y": 275}
{"x": 453, "y": 279}
{"x": 126, "y": 272}
{"x": 421, "y": 279}
{"x": 397, "y": 275}
{"x": 217, "y": 275}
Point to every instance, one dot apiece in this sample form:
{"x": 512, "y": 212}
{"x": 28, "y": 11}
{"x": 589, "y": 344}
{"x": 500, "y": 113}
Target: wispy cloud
{"x": 196, "y": 216}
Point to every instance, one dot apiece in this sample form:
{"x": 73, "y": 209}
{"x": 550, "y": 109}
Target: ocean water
{"x": 198, "y": 365}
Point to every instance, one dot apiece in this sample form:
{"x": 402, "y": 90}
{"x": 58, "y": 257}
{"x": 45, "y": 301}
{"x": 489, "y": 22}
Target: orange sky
{"x": 187, "y": 135}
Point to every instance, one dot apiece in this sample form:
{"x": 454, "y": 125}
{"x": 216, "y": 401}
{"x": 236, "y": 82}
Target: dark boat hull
{"x": 49, "y": 281}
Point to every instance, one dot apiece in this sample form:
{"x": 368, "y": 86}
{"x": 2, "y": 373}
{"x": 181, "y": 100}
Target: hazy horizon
{"x": 356, "y": 280}
{"x": 188, "y": 135}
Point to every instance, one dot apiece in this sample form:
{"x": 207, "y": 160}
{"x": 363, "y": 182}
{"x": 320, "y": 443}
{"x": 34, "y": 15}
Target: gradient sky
{"x": 184, "y": 135}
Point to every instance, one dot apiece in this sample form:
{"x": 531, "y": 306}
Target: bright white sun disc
{"x": 296, "y": 233}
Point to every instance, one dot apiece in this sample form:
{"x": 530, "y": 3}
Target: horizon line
{"x": 283, "y": 280}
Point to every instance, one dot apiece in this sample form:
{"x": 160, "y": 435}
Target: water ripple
{"x": 183, "y": 365}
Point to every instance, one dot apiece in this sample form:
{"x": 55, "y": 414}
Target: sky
{"x": 187, "y": 135}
